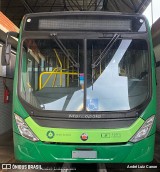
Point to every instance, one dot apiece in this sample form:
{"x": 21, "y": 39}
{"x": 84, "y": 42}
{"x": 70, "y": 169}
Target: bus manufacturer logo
{"x": 85, "y": 116}
{"x": 50, "y": 134}
{"x": 84, "y": 137}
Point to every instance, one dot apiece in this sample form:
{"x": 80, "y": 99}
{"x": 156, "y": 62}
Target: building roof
{"x": 6, "y": 24}
{"x": 15, "y": 10}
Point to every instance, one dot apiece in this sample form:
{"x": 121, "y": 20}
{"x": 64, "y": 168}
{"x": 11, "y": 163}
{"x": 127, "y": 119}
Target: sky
{"x": 156, "y": 11}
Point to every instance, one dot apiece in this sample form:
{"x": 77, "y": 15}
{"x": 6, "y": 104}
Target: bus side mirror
{"x": 6, "y": 55}
{"x": 6, "y": 49}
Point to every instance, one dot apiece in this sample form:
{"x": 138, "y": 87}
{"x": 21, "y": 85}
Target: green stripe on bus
{"x": 65, "y": 135}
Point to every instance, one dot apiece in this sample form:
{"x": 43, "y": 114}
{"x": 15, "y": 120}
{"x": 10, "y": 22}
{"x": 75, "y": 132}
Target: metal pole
{"x": 85, "y": 72}
{"x": 152, "y": 10}
{"x": 78, "y": 67}
{"x": 27, "y": 6}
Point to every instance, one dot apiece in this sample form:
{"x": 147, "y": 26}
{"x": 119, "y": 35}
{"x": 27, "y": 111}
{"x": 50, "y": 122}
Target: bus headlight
{"x": 144, "y": 130}
{"x": 24, "y": 129}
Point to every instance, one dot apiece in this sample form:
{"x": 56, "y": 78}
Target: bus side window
{"x": 157, "y": 64}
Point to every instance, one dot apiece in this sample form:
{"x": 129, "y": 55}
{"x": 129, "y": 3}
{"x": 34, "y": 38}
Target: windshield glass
{"x": 52, "y": 74}
{"x": 119, "y": 81}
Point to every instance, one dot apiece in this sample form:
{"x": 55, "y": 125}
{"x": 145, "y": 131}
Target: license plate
{"x": 84, "y": 154}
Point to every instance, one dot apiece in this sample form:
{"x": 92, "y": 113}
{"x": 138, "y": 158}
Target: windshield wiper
{"x": 64, "y": 50}
{"x": 103, "y": 54}
{"x": 105, "y": 51}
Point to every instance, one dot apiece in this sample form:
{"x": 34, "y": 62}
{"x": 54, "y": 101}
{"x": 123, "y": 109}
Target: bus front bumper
{"x": 28, "y": 151}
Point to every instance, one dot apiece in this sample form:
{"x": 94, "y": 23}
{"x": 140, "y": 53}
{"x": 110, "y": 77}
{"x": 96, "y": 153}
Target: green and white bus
{"x": 84, "y": 88}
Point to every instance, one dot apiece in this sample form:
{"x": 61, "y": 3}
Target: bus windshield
{"x": 53, "y": 74}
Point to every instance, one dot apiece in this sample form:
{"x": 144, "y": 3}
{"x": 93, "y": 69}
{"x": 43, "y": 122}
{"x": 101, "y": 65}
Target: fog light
{"x": 144, "y": 130}
{"x": 24, "y": 129}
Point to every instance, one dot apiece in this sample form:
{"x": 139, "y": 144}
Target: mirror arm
{"x": 14, "y": 34}
{"x": 8, "y": 33}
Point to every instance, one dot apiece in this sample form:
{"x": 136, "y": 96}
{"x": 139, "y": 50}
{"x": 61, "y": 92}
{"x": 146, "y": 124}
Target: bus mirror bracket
{"x": 6, "y": 49}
